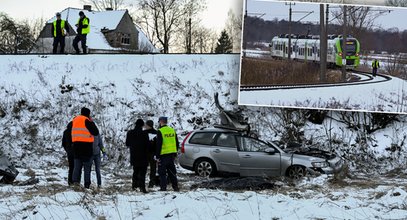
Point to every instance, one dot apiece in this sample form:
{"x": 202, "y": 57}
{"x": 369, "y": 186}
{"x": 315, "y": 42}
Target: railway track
{"x": 369, "y": 80}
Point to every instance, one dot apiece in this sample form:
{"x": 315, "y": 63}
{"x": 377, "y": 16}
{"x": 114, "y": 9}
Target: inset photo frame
{"x": 324, "y": 56}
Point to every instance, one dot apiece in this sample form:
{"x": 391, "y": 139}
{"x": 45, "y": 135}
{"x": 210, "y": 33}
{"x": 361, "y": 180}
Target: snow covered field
{"x": 386, "y": 96}
{"x": 39, "y": 95}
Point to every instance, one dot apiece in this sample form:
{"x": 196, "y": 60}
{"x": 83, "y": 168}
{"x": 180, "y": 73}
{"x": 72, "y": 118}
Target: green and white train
{"x": 306, "y": 48}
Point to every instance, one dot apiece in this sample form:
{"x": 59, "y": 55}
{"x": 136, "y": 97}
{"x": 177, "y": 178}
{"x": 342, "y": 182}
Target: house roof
{"x": 145, "y": 42}
{"x": 98, "y": 21}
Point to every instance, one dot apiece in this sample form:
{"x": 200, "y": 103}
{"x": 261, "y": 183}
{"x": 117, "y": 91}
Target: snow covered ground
{"x": 39, "y": 95}
{"x": 313, "y": 198}
{"x": 386, "y": 96}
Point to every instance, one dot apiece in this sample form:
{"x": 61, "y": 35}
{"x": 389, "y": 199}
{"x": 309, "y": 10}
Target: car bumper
{"x": 335, "y": 165}
{"x": 186, "y": 163}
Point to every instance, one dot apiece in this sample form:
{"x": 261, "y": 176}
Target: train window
{"x": 319, "y": 52}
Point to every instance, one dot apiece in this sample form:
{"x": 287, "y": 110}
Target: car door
{"x": 255, "y": 161}
{"x": 224, "y": 152}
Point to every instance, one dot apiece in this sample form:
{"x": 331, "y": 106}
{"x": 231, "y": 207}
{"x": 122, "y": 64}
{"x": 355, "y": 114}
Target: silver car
{"x": 211, "y": 150}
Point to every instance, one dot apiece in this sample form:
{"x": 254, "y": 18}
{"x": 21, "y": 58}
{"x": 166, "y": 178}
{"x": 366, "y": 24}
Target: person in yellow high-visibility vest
{"x": 375, "y": 66}
{"x": 166, "y": 152}
{"x": 59, "y": 30}
{"x": 82, "y": 29}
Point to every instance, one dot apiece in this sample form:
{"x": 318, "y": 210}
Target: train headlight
{"x": 340, "y": 54}
{"x": 357, "y": 54}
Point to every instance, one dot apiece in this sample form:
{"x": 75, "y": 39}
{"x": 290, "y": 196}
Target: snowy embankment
{"x": 386, "y": 96}
{"x": 40, "y": 94}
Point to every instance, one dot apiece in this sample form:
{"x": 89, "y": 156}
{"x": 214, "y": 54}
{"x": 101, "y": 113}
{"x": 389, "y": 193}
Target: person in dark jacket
{"x": 152, "y": 136}
{"x": 83, "y": 132}
{"x": 59, "y": 30}
{"x": 82, "y": 29}
{"x": 137, "y": 141}
{"x": 97, "y": 148}
{"x": 67, "y": 145}
{"x": 166, "y": 152}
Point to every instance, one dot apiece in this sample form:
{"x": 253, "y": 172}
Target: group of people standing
{"x": 148, "y": 147}
{"x": 60, "y": 29}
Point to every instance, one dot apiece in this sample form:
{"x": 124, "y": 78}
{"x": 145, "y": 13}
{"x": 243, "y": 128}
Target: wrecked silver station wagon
{"x": 210, "y": 150}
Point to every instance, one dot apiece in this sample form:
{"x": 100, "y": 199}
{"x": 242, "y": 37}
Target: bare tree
{"x": 161, "y": 19}
{"x": 397, "y": 3}
{"x": 359, "y": 19}
{"x": 233, "y": 27}
{"x": 192, "y": 23}
{"x": 14, "y": 37}
{"x": 101, "y": 5}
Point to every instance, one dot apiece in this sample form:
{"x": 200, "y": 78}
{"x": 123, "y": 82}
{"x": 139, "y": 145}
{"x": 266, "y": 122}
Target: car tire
{"x": 205, "y": 167}
{"x": 296, "y": 172}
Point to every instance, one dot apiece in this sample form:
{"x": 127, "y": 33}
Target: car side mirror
{"x": 270, "y": 150}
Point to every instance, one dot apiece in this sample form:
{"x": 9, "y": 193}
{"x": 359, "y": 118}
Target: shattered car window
{"x": 204, "y": 138}
{"x": 226, "y": 140}
{"x": 253, "y": 145}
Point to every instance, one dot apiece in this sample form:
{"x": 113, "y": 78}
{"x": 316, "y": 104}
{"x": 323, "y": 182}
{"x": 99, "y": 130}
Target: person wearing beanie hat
{"x": 59, "y": 30}
{"x": 82, "y": 30}
{"x": 166, "y": 152}
{"x": 152, "y": 136}
{"x": 83, "y": 131}
{"x": 137, "y": 141}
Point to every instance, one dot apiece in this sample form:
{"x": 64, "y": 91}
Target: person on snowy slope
{"x": 97, "y": 148}
{"x": 152, "y": 136}
{"x": 375, "y": 66}
{"x": 166, "y": 152}
{"x": 67, "y": 145}
{"x": 59, "y": 30}
{"x": 83, "y": 132}
{"x": 137, "y": 141}
{"x": 83, "y": 29}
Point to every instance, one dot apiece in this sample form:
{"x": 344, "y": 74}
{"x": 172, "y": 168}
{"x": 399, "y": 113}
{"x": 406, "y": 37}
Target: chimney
{"x": 87, "y": 7}
{"x": 109, "y": 9}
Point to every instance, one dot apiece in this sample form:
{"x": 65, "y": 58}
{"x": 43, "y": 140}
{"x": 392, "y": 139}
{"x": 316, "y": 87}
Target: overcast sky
{"x": 214, "y": 17}
{"x": 276, "y": 9}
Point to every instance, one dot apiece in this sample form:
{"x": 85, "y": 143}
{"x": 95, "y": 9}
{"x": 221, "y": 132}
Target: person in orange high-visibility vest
{"x": 83, "y": 131}
{"x": 166, "y": 152}
{"x": 59, "y": 29}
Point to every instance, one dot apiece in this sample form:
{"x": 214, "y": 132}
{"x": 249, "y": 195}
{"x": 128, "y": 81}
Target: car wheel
{"x": 205, "y": 168}
{"x": 296, "y": 172}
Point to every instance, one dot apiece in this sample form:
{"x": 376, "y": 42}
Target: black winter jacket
{"x": 137, "y": 141}
{"x": 67, "y": 140}
{"x": 152, "y": 141}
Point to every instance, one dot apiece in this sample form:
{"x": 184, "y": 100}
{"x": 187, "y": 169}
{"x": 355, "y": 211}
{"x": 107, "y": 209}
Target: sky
{"x": 271, "y": 9}
{"x": 213, "y": 17}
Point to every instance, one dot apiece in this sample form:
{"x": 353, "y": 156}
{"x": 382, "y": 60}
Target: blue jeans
{"x": 96, "y": 161}
{"x": 87, "y": 165}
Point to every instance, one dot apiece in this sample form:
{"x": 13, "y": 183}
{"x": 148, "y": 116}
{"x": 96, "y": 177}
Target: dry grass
{"x": 282, "y": 72}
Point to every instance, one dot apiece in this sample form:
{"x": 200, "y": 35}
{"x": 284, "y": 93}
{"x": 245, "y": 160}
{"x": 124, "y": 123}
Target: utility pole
{"x": 345, "y": 9}
{"x": 323, "y": 44}
{"x": 290, "y": 12}
{"x": 245, "y": 30}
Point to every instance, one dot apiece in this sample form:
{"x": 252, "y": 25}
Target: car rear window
{"x": 205, "y": 138}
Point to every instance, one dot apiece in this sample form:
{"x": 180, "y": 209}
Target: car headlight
{"x": 319, "y": 164}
